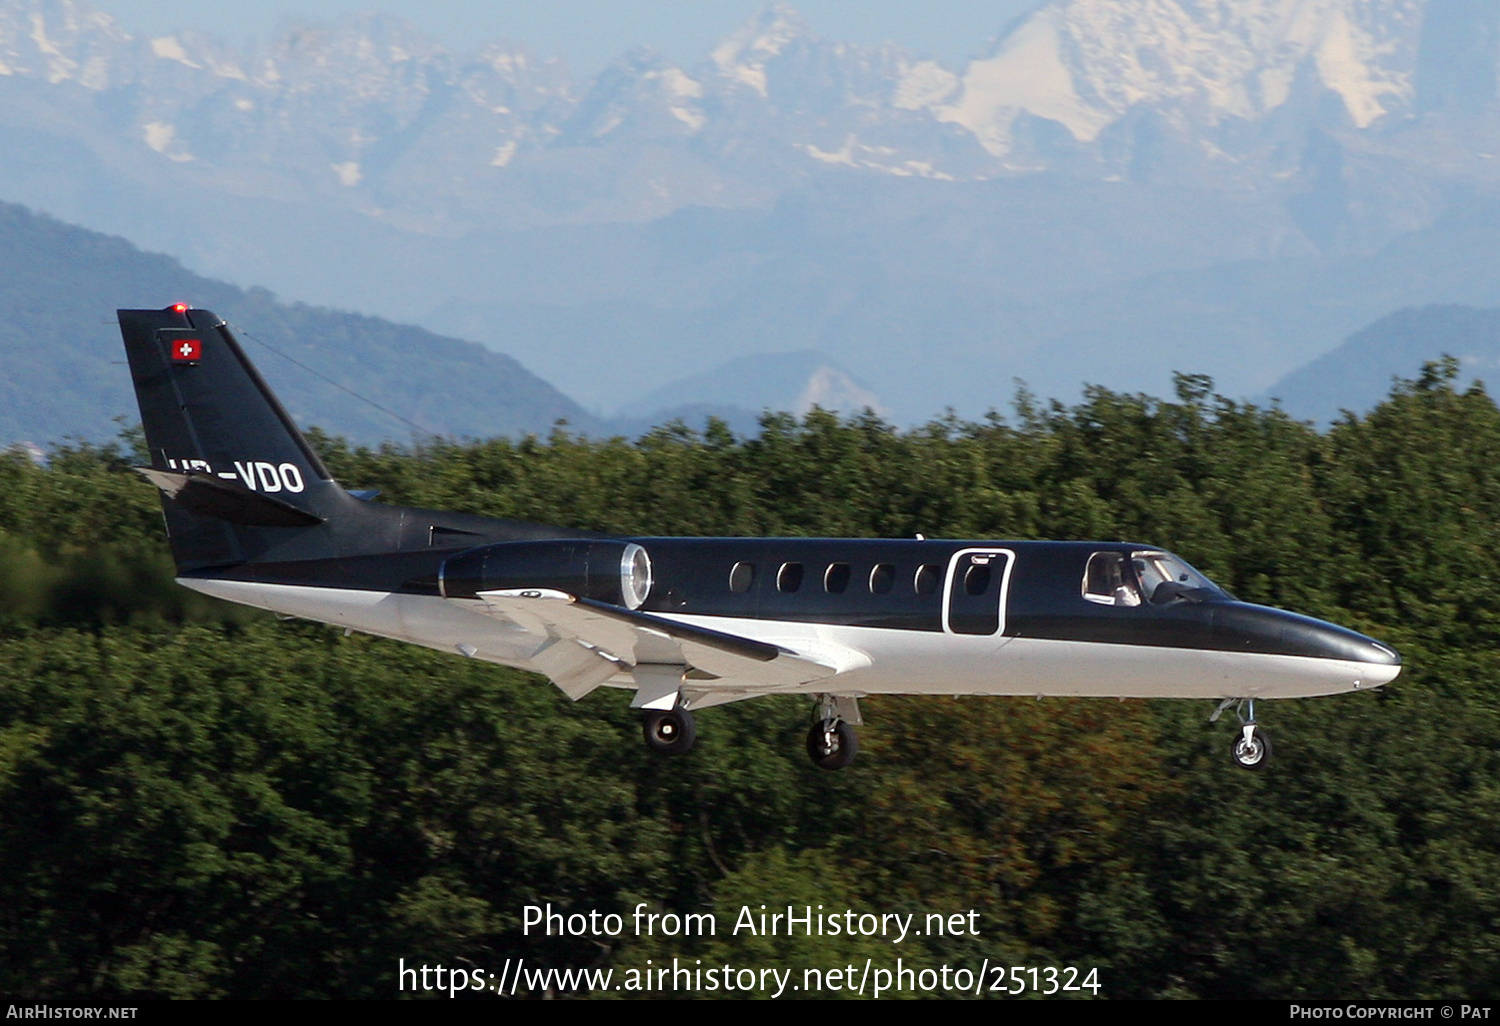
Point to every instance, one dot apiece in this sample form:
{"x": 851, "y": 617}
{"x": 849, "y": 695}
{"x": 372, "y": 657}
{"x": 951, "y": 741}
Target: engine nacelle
{"x": 608, "y": 571}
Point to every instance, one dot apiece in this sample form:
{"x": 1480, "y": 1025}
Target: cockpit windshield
{"x": 1113, "y": 579}
{"x": 1164, "y": 577}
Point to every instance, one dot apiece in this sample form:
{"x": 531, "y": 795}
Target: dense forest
{"x": 198, "y": 801}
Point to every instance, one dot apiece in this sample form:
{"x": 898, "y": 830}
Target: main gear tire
{"x": 669, "y": 731}
{"x": 832, "y": 747}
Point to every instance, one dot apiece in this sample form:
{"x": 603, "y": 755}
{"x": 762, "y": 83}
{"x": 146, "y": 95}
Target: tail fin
{"x": 238, "y": 477}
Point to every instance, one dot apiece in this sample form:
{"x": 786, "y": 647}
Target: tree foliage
{"x": 196, "y": 801}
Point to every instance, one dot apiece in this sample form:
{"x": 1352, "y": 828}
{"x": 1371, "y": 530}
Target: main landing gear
{"x": 669, "y": 731}
{"x": 831, "y": 742}
{"x": 1252, "y": 749}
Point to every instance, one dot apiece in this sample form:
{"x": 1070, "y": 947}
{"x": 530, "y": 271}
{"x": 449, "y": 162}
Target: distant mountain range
{"x": 65, "y": 374}
{"x": 371, "y": 380}
{"x": 1117, "y": 189}
{"x": 361, "y": 377}
{"x": 742, "y": 390}
{"x": 1359, "y": 373}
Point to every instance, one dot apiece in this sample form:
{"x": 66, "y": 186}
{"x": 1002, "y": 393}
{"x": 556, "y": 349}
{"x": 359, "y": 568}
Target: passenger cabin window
{"x": 836, "y": 580}
{"x": 882, "y": 578}
{"x": 741, "y": 577}
{"x": 1107, "y": 581}
{"x": 789, "y": 578}
{"x": 929, "y": 575}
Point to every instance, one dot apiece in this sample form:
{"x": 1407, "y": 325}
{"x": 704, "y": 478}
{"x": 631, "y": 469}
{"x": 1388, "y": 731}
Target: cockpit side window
{"x": 1108, "y": 581}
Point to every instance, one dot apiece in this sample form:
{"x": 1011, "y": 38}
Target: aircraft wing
{"x": 588, "y": 642}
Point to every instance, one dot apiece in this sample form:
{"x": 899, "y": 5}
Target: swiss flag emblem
{"x": 187, "y": 350}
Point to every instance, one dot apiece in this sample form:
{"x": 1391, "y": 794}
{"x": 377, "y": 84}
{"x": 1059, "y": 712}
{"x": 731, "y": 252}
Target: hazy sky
{"x": 589, "y": 33}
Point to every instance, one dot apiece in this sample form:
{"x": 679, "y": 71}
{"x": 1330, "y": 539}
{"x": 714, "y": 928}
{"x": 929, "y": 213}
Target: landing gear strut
{"x": 669, "y": 731}
{"x": 1252, "y": 749}
{"x": 832, "y": 743}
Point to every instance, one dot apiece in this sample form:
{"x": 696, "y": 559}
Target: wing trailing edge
{"x": 590, "y": 642}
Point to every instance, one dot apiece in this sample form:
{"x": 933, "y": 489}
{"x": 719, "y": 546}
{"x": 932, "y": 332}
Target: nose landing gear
{"x": 1252, "y": 749}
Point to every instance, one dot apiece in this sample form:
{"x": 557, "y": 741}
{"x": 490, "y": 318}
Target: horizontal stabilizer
{"x": 209, "y": 496}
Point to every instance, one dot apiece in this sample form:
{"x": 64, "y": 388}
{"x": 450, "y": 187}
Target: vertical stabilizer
{"x": 240, "y": 482}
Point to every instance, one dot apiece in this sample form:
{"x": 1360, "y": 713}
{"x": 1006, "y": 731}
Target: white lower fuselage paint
{"x": 900, "y": 661}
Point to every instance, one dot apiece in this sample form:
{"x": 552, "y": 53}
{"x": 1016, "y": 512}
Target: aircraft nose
{"x": 1283, "y": 633}
{"x": 1341, "y": 643}
{"x": 1385, "y": 655}
{"x": 1379, "y": 662}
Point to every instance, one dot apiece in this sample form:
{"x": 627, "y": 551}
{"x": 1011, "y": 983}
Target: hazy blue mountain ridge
{"x": 1114, "y": 190}
{"x": 65, "y": 373}
{"x": 1359, "y": 372}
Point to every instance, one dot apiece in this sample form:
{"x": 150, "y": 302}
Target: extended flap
{"x": 635, "y": 638}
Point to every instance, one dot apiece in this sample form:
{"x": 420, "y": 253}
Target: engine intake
{"x": 615, "y": 572}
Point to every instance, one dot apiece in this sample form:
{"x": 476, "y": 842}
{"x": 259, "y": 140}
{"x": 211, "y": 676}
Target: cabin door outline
{"x": 969, "y": 609}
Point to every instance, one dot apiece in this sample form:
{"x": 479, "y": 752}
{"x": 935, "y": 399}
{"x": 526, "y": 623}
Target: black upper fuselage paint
{"x": 1034, "y": 589}
{"x": 1043, "y": 596}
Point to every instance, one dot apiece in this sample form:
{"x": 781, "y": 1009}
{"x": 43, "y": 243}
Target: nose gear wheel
{"x": 1252, "y": 749}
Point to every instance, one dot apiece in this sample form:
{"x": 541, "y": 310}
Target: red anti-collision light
{"x": 178, "y": 308}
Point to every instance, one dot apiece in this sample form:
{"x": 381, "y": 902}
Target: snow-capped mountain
{"x": 1088, "y": 63}
{"x": 371, "y": 114}
{"x": 1113, "y": 189}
